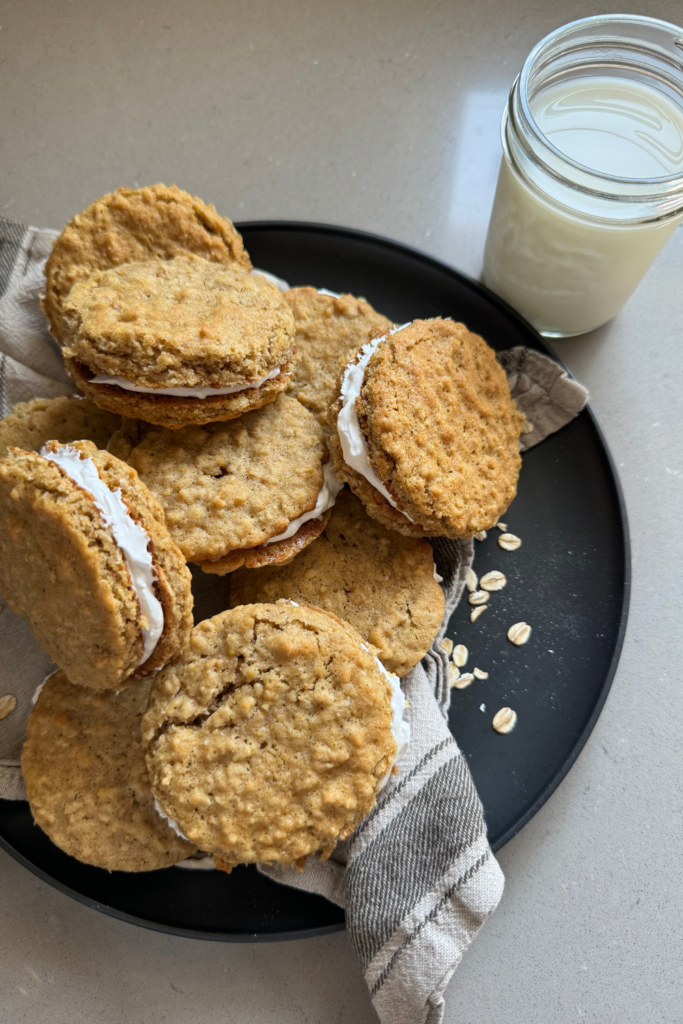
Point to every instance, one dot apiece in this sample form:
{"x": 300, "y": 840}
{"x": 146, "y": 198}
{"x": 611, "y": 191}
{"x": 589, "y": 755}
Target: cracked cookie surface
{"x": 87, "y": 782}
{"x": 381, "y": 583}
{"x": 268, "y": 740}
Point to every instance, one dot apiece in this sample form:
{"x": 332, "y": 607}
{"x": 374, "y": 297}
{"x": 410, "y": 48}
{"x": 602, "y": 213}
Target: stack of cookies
{"x": 217, "y": 421}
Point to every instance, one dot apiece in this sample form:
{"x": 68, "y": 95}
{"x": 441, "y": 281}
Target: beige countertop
{"x": 382, "y": 116}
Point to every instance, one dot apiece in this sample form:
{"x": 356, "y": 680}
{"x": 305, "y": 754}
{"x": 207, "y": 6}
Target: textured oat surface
{"x": 31, "y": 424}
{"x": 184, "y": 322}
{"x": 174, "y": 413}
{"x": 381, "y": 583}
{"x": 327, "y": 329}
{"x": 87, "y": 782}
{"x": 280, "y": 552}
{"x": 268, "y": 739}
{"x": 61, "y": 568}
{"x": 236, "y": 484}
{"x": 441, "y": 428}
{"x": 135, "y": 224}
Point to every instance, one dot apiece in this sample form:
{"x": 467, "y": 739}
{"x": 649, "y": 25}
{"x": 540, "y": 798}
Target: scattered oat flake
{"x": 479, "y": 673}
{"x": 509, "y": 542}
{"x": 502, "y": 527}
{"x": 460, "y": 655}
{"x": 463, "y": 681}
{"x": 493, "y": 580}
{"x": 478, "y": 597}
{"x": 476, "y": 612}
{"x": 446, "y": 645}
{"x": 453, "y": 673}
{"x": 7, "y": 705}
{"x": 504, "y": 720}
{"x": 471, "y": 581}
{"x": 519, "y": 633}
{"x": 482, "y": 707}
{"x": 480, "y": 535}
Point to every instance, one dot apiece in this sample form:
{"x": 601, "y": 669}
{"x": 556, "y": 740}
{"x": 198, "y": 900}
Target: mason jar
{"x": 591, "y": 180}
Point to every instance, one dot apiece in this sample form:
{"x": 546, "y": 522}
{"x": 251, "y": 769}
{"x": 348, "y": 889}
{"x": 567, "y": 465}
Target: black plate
{"x": 570, "y": 580}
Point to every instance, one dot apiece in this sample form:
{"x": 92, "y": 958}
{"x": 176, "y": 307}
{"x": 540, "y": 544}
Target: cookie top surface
{"x": 380, "y": 582}
{"x": 328, "y": 328}
{"x": 269, "y": 738}
{"x": 87, "y": 782}
{"x": 62, "y": 568}
{"x": 183, "y": 322}
{"x": 441, "y": 428}
{"x": 131, "y": 225}
{"x": 31, "y": 424}
{"x": 235, "y": 484}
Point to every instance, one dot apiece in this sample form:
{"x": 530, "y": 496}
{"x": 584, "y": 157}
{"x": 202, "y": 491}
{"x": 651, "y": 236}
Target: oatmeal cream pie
{"x": 86, "y": 558}
{"x": 329, "y": 328}
{"x": 87, "y": 782}
{"x": 383, "y": 584}
{"x": 130, "y": 225}
{"x": 268, "y": 740}
{"x": 427, "y": 435}
{"x": 178, "y": 341}
{"x": 251, "y": 491}
{"x": 71, "y": 418}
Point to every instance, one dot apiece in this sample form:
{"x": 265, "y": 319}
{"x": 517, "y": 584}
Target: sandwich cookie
{"x": 178, "y": 341}
{"x": 377, "y": 580}
{"x": 252, "y": 491}
{"x": 269, "y": 739}
{"x": 86, "y": 558}
{"x": 72, "y": 418}
{"x": 87, "y": 782}
{"x": 130, "y": 225}
{"x": 329, "y": 328}
{"x": 426, "y": 433}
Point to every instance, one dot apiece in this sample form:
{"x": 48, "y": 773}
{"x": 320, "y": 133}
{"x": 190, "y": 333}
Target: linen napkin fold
{"x": 417, "y": 878}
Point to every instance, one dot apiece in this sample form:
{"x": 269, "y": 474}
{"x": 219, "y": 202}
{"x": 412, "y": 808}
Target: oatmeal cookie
{"x": 178, "y": 341}
{"x": 87, "y": 782}
{"x": 439, "y": 429}
{"x": 90, "y": 564}
{"x": 328, "y": 328}
{"x": 228, "y": 488}
{"x": 381, "y": 583}
{"x": 131, "y": 225}
{"x": 72, "y": 418}
{"x": 269, "y": 739}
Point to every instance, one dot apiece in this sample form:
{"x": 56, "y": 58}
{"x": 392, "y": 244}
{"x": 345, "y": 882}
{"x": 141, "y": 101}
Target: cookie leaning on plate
{"x": 380, "y": 582}
{"x": 427, "y": 435}
{"x": 250, "y": 491}
{"x": 87, "y": 782}
{"x": 131, "y": 225}
{"x": 86, "y": 558}
{"x": 328, "y": 328}
{"x": 178, "y": 341}
{"x": 270, "y": 737}
{"x": 72, "y": 418}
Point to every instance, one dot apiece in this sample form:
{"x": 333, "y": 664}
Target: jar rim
{"x": 551, "y": 47}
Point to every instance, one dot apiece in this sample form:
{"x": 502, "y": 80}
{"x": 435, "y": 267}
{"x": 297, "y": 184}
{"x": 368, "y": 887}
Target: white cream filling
{"x": 439, "y": 579}
{"x": 203, "y": 392}
{"x": 130, "y": 537}
{"x": 202, "y": 864}
{"x": 326, "y": 291}
{"x": 173, "y": 825}
{"x": 279, "y": 282}
{"x": 399, "y": 728}
{"x": 327, "y": 495}
{"x": 353, "y": 444}
{"x": 39, "y": 688}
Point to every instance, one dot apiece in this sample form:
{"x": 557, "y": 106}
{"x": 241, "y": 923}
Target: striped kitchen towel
{"x": 417, "y": 878}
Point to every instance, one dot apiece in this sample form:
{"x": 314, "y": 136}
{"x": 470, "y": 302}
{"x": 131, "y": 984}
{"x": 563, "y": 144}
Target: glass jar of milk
{"x": 591, "y": 182}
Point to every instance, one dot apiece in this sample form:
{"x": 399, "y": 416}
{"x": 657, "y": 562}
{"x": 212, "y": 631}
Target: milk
{"x": 569, "y": 268}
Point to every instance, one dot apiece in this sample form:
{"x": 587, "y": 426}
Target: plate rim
{"x": 561, "y": 773}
